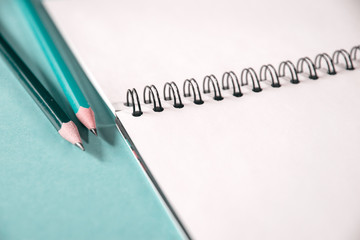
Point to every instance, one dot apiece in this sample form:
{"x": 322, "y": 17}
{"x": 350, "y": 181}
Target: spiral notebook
{"x": 245, "y": 114}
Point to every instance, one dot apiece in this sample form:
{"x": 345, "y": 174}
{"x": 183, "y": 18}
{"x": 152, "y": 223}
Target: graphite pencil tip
{"x": 70, "y": 132}
{"x": 86, "y": 117}
{"x": 94, "y": 131}
{"x": 80, "y": 145}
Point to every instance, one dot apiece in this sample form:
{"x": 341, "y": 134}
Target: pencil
{"x": 71, "y": 89}
{"x": 62, "y": 123}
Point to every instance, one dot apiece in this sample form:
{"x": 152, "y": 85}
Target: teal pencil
{"x": 58, "y": 118}
{"x": 71, "y": 89}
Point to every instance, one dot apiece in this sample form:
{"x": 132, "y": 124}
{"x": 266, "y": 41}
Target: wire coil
{"x": 230, "y": 80}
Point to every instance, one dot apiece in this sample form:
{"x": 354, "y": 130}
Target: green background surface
{"x": 49, "y": 189}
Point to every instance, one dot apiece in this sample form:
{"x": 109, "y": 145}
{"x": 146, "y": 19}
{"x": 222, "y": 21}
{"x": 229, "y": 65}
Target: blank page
{"x": 134, "y": 43}
{"x": 280, "y": 164}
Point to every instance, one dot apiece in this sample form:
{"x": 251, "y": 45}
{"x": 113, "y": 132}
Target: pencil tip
{"x": 86, "y": 117}
{"x": 70, "y": 132}
{"x": 94, "y": 131}
{"x": 80, "y": 145}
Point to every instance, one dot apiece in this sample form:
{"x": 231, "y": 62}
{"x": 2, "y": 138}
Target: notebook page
{"x": 281, "y": 164}
{"x": 125, "y": 44}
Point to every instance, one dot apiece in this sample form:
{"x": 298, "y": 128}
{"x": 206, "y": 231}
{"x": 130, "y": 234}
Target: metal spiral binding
{"x": 328, "y": 60}
{"x": 346, "y": 56}
{"x": 235, "y": 83}
{"x": 294, "y": 76}
{"x": 171, "y": 86}
{"x": 190, "y": 85}
{"x": 210, "y": 82}
{"x": 131, "y": 93}
{"x": 274, "y": 76}
{"x": 311, "y": 67}
{"x": 254, "y": 78}
{"x": 353, "y": 52}
{"x": 151, "y": 98}
{"x": 215, "y": 84}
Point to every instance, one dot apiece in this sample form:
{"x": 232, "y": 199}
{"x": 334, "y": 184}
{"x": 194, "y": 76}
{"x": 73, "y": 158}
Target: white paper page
{"x": 281, "y": 164}
{"x": 133, "y": 43}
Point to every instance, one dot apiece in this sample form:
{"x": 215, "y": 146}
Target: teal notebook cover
{"x": 49, "y": 189}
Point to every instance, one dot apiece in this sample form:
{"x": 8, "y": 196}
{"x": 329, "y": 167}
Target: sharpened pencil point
{"x": 86, "y": 117}
{"x": 70, "y": 132}
{"x": 94, "y": 131}
{"x": 79, "y": 145}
